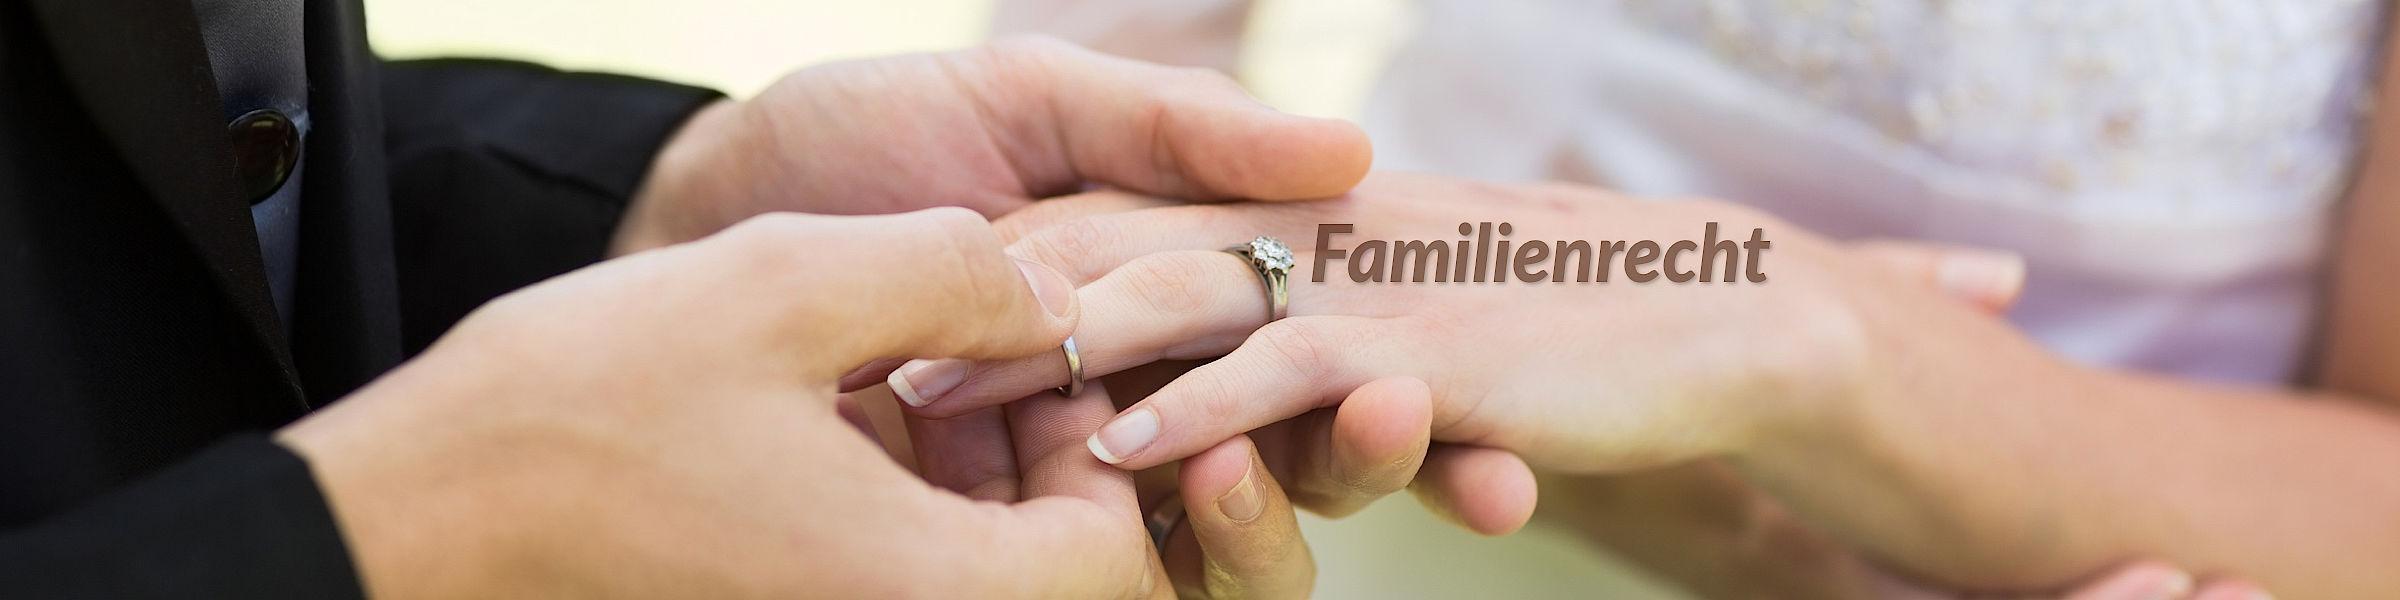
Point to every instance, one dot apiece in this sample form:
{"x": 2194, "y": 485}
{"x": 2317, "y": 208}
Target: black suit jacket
{"x": 141, "y": 358}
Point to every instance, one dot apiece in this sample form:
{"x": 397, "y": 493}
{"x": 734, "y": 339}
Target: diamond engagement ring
{"x": 1273, "y": 261}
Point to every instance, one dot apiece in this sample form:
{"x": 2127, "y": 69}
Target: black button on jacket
{"x": 142, "y": 362}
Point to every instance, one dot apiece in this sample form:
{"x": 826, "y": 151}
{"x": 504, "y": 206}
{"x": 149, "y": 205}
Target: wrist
{"x": 1811, "y": 356}
{"x": 664, "y": 210}
{"x": 417, "y": 523}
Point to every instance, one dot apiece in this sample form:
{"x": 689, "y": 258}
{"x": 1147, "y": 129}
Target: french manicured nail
{"x": 1978, "y": 274}
{"x": 920, "y": 382}
{"x": 1244, "y": 501}
{"x": 1051, "y": 288}
{"x": 1122, "y": 437}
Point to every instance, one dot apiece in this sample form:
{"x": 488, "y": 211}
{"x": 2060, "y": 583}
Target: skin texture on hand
{"x": 1334, "y": 461}
{"x": 991, "y": 129}
{"x": 665, "y": 425}
{"x": 1159, "y": 290}
{"x": 1626, "y": 376}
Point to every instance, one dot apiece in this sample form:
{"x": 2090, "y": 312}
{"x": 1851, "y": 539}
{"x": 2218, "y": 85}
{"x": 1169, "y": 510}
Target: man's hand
{"x": 990, "y": 129}
{"x": 665, "y": 425}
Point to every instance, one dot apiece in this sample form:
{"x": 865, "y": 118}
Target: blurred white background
{"x": 1314, "y": 57}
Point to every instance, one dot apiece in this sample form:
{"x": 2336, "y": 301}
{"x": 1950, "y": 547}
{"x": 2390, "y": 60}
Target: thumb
{"x": 1248, "y": 536}
{"x": 1991, "y": 279}
{"x": 1181, "y": 132}
{"x": 844, "y": 291}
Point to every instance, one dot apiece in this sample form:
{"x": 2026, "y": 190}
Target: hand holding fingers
{"x": 1012, "y": 227}
{"x": 1173, "y": 305}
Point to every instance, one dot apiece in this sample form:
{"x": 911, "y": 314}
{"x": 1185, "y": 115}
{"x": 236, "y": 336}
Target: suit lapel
{"x": 141, "y": 69}
{"x": 347, "y": 315}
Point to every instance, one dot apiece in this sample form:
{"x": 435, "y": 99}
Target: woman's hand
{"x": 1332, "y": 461}
{"x": 1577, "y": 377}
{"x": 665, "y": 425}
{"x": 991, "y": 129}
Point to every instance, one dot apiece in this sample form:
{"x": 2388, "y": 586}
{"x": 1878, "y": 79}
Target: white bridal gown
{"x": 2167, "y": 167}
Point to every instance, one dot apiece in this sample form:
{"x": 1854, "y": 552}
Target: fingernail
{"x": 2175, "y": 585}
{"x": 1122, "y": 437}
{"x": 2261, "y": 595}
{"x": 1051, "y": 288}
{"x": 1244, "y": 501}
{"x": 920, "y": 382}
{"x": 1979, "y": 274}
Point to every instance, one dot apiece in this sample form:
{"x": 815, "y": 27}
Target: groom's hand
{"x": 990, "y": 129}
{"x": 664, "y": 425}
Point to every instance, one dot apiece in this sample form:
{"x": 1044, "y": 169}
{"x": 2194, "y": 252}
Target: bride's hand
{"x": 1331, "y": 461}
{"x": 1581, "y": 377}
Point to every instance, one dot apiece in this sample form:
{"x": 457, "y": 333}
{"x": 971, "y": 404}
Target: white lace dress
{"x": 2166, "y": 166}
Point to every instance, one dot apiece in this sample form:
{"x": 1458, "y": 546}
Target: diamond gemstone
{"x": 1272, "y": 254}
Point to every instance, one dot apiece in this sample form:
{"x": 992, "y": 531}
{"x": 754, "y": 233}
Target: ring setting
{"x": 1273, "y": 261}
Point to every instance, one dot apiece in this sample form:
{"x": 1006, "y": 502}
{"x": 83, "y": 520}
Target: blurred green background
{"x": 1314, "y": 57}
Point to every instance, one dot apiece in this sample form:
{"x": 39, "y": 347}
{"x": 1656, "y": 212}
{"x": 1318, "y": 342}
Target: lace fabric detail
{"x": 2185, "y": 101}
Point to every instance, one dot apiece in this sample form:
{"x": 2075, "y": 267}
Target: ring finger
{"x": 1173, "y": 305}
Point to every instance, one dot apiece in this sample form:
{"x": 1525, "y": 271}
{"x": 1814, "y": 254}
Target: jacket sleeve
{"x": 243, "y": 519}
{"x": 504, "y": 173}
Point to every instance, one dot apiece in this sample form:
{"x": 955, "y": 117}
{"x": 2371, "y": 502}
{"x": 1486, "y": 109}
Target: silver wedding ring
{"x": 1074, "y": 386}
{"x": 1273, "y": 261}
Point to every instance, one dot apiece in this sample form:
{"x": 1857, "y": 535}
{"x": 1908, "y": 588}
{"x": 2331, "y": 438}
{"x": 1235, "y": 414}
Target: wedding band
{"x": 1074, "y": 386}
{"x": 1273, "y": 261}
{"x": 1162, "y": 521}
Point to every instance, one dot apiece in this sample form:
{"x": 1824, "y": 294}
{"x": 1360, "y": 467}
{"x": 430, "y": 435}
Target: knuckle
{"x": 1381, "y": 478}
{"x": 1300, "y": 347}
{"x": 1164, "y": 283}
{"x": 957, "y": 230}
{"x": 1211, "y": 402}
{"x": 964, "y": 258}
{"x": 1071, "y": 246}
